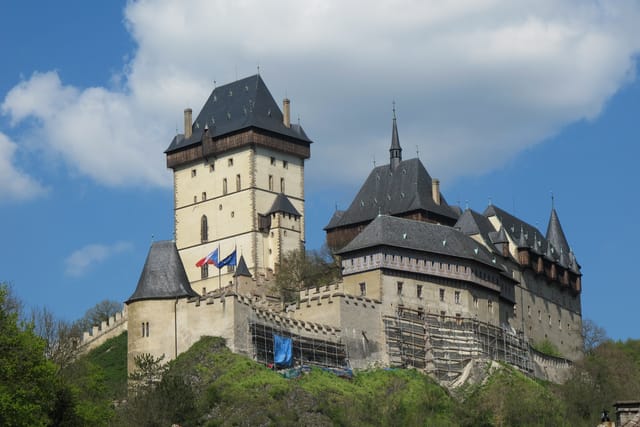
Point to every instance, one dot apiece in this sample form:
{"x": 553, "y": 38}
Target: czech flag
{"x": 212, "y": 258}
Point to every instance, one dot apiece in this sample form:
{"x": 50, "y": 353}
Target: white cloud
{"x": 475, "y": 81}
{"x": 79, "y": 262}
{"x": 14, "y": 183}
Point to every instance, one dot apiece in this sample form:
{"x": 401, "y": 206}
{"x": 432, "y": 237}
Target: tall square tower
{"x": 238, "y": 183}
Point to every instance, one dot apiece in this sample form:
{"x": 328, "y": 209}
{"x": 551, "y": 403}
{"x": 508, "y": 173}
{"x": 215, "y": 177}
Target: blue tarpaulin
{"x": 282, "y": 350}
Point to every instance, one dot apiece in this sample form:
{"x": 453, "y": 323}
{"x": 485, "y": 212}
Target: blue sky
{"x": 504, "y": 102}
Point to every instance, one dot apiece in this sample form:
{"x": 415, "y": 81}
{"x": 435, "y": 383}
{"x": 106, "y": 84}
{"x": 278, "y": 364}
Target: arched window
{"x": 238, "y": 184}
{"x": 282, "y": 185}
{"x": 204, "y": 229}
{"x": 270, "y": 182}
{"x": 224, "y": 186}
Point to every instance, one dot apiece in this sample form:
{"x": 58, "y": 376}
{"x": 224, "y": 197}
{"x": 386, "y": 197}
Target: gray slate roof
{"x": 243, "y": 104}
{"x": 163, "y": 275}
{"x": 472, "y": 223}
{"x": 404, "y": 189}
{"x": 419, "y": 236}
{"x": 242, "y": 269}
{"x": 554, "y": 247}
{"x": 283, "y": 204}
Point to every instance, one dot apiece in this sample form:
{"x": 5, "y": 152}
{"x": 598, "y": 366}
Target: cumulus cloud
{"x": 14, "y": 183}
{"x": 475, "y": 81}
{"x": 79, "y": 262}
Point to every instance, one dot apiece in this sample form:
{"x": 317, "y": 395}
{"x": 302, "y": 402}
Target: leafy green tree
{"x": 302, "y": 270}
{"x": 28, "y": 383}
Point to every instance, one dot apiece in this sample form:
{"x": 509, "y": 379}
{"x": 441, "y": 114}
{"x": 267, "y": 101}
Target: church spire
{"x": 395, "y": 152}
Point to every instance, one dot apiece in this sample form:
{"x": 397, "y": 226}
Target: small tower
{"x": 151, "y": 308}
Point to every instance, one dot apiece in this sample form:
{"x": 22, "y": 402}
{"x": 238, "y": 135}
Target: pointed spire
{"x": 555, "y": 235}
{"x": 395, "y": 152}
{"x": 242, "y": 269}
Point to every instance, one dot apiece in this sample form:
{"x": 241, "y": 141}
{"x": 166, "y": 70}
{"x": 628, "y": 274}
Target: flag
{"x": 229, "y": 260}
{"x": 212, "y": 258}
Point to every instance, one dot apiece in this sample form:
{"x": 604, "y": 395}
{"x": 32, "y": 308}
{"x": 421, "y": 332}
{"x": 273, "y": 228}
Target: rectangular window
{"x": 539, "y": 316}
{"x": 142, "y": 328}
{"x": 457, "y": 297}
{"x": 231, "y": 268}
{"x": 212, "y": 167}
{"x": 419, "y": 291}
{"x": 443, "y": 316}
{"x": 549, "y": 320}
{"x": 224, "y": 186}
{"x": 285, "y": 164}
{"x": 399, "y": 286}
{"x": 273, "y": 161}
{"x": 490, "y": 306}
{"x": 529, "y": 310}
{"x": 238, "y": 183}
{"x": 270, "y": 182}
{"x": 147, "y": 325}
{"x": 204, "y": 196}
{"x": 145, "y": 329}
{"x": 230, "y": 161}
{"x": 193, "y": 172}
{"x": 475, "y": 301}
{"x": 363, "y": 289}
{"x": 204, "y": 271}
{"x": 282, "y": 185}
{"x": 441, "y": 294}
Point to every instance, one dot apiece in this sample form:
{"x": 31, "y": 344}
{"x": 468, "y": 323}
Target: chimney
{"x": 286, "y": 120}
{"x": 435, "y": 189}
{"x": 187, "y": 123}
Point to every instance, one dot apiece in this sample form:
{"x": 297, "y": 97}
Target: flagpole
{"x": 219, "y": 277}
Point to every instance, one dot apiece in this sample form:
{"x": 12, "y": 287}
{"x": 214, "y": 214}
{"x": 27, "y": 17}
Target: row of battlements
{"x": 312, "y": 327}
{"x": 107, "y": 329}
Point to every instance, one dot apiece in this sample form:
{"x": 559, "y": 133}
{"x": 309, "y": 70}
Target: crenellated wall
{"x": 113, "y": 327}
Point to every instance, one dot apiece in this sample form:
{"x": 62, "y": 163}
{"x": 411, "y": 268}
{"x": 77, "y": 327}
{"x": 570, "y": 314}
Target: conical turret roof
{"x": 163, "y": 275}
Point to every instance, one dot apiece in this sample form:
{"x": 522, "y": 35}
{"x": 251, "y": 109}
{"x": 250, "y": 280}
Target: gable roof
{"x": 387, "y": 191}
{"x": 243, "y": 104}
{"x": 419, "y": 236}
{"x": 163, "y": 275}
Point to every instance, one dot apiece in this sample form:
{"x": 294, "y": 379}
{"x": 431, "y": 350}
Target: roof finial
{"x": 490, "y": 201}
{"x": 214, "y": 84}
{"x": 258, "y": 69}
{"x": 374, "y": 160}
{"x": 417, "y": 152}
{"x": 552, "y": 200}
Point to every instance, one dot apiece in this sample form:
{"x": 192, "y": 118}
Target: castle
{"x": 424, "y": 283}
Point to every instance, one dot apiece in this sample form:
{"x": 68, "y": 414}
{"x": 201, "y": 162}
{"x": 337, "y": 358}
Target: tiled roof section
{"x": 335, "y": 220}
{"x": 419, "y": 236}
{"x": 406, "y": 188}
{"x": 524, "y": 234}
{"x": 555, "y": 235}
{"x": 472, "y": 223}
{"x": 242, "y": 269}
{"x": 163, "y": 275}
{"x": 243, "y": 104}
{"x": 283, "y": 204}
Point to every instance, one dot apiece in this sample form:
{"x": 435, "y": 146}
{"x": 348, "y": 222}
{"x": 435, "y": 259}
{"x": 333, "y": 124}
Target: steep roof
{"x": 242, "y": 269}
{"x": 163, "y": 275}
{"x": 524, "y": 234}
{"x": 473, "y": 223}
{"x": 388, "y": 191}
{"x": 419, "y": 236}
{"x": 283, "y": 204}
{"x": 243, "y": 104}
{"x": 555, "y": 235}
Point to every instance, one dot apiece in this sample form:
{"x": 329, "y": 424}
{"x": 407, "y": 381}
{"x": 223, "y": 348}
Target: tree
{"x": 28, "y": 383}
{"x": 592, "y": 335}
{"x": 302, "y": 270}
{"x": 61, "y": 337}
